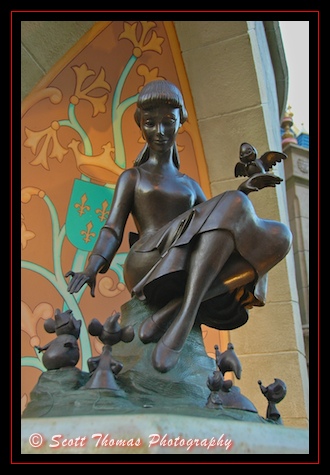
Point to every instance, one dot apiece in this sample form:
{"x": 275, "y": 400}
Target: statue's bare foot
{"x": 164, "y": 358}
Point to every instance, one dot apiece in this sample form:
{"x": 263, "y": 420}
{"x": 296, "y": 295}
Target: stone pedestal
{"x": 154, "y": 433}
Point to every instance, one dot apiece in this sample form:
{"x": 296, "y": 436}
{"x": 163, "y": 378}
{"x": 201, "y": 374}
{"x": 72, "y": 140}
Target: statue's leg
{"x": 155, "y": 326}
{"x": 209, "y": 255}
{"x": 234, "y": 275}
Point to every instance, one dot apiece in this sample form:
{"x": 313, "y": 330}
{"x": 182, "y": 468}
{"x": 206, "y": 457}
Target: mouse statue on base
{"x": 274, "y": 393}
{"x": 104, "y": 368}
{"x": 63, "y": 351}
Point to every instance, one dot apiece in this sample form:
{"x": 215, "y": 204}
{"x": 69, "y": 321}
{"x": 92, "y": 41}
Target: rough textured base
{"x": 183, "y": 390}
{"x": 151, "y": 412}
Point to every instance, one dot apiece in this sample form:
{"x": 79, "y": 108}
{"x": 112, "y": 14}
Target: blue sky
{"x": 295, "y": 36}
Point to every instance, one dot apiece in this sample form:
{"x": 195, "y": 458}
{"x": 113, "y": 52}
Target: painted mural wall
{"x": 78, "y": 134}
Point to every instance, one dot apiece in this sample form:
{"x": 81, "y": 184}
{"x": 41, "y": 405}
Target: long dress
{"x": 259, "y": 245}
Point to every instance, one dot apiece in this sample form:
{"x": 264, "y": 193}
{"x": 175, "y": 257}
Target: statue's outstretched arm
{"x": 110, "y": 236}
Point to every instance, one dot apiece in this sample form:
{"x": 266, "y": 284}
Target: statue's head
{"x": 152, "y": 95}
{"x": 159, "y": 92}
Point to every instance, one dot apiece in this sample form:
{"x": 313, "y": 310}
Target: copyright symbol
{"x": 36, "y": 440}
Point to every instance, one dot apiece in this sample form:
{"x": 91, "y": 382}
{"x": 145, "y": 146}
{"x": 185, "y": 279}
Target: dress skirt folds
{"x": 259, "y": 245}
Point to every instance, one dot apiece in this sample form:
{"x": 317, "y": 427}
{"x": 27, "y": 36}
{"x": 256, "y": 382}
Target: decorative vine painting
{"x": 78, "y": 135}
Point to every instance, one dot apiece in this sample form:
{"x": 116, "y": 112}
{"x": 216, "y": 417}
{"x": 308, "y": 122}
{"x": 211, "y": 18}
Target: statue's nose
{"x": 160, "y": 129}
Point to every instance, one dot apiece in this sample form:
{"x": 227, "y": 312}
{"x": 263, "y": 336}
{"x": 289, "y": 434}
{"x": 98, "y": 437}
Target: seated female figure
{"x": 194, "y": 257}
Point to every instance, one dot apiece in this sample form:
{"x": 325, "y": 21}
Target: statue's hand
{"x": 259, "y": 181}
{"x": 79, "y": 279}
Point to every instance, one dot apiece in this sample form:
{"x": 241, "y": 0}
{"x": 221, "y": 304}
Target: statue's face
{"x": 160, "y": 126}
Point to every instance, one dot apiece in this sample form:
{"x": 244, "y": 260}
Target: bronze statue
{"x": 105, "y": 367}
{"x": 103, "y": 370}
{"x": 249, "y": 164}
{"x": 197, "y": 259}
{"x": 228, "y": 360}
{"x": 111, "y": 332}
{"x": 223, "y": 392}
{"x": 63, "y": 351}
{"x": 274, "y": 393}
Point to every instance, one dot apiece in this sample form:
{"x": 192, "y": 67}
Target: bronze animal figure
{"x": 249, "y": 164}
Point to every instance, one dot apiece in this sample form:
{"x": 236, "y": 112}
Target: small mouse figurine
{"x": 63, "y": 351}
{"x": 274, "y": 393}
{"x": 105, "y": 367}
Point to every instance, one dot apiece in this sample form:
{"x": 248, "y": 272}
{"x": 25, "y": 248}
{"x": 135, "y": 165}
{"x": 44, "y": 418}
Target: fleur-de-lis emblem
{"x": 81, "y": 206}
{"x": 87, "y": 233}
{"x": 102, "y": 212}
{"x": 90, "y": 218}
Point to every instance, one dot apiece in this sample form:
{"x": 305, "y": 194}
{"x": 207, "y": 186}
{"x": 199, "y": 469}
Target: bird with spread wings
{"x": 249, "y": 164}
{"x": 256, "y": 169}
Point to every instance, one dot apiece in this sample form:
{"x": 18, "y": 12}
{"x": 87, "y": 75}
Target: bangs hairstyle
{"x": 160, "y": 92}
{"x": 153, "y": 94}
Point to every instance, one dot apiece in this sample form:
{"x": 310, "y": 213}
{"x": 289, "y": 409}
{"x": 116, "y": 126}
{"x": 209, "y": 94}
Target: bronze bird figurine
{"x": 228, "y": 361}
{"x": 250, "y": 164}
{"x": 218, "y": 383}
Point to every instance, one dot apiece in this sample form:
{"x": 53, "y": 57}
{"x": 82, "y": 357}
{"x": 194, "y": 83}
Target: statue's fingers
{"x": 70, "y": 285}
{"x": 70, "y": 288}
{"x": 93, "y": 288}
{"x": 80, "y": 282}
{"x": 76, "y": 283}
{"x": 70, "y": 273}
